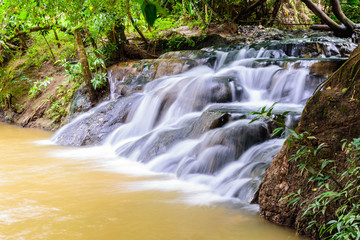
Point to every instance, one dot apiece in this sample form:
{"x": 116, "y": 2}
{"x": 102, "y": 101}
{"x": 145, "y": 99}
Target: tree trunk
{"x": 275, "y": 11}
{"x": 339, "y": 30}
{"x": 93, "y": 43}
{"x": 57, "y": 39}
{"x": 85, "y": 65}
{"x": 133, "y": 23}
{"x": 35, "y": 29}
{"x": 336, "y": 8}
{"x": 47, "y": 43}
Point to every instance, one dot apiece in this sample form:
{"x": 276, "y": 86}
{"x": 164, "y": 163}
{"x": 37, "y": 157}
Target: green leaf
{"x": 149, "y": 11}
{"x": 294, "y": 133}
{"x": 277, "y": 130}
{"x": 23, "y": 15}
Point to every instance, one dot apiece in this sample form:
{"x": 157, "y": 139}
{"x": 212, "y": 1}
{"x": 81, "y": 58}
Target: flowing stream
{"x": 176, "y": 160}
{"x": 44, "y": 196}
{"x": 194, "y": 125}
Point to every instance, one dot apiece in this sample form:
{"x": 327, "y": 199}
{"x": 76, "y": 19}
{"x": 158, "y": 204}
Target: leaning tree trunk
{"x": 85, "y": 65}
{"x": 344, "y": 30}
{"x": 336, "y": 8}
{"x": 134, "y": 24}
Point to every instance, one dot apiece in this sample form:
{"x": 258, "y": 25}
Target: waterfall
{"x": 195, "y": 125}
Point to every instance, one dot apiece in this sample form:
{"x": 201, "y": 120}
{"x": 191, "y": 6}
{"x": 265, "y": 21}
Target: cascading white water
{"x": 165, "y": 128}
{"x": 167, "y": 101}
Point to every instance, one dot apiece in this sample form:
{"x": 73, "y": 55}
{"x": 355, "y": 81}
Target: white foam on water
{"x": 191, "y": 192}
{"x": 219, "y": 164}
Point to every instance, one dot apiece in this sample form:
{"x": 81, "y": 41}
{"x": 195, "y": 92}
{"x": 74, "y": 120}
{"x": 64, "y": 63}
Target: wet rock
{"x": 309, "y": 49}
{"x": 330, "y": 116}
{"x": 221, "y": 92}
{"x": 199, "y": 57}
{"x": 129, "y": 77}
{"x": 221, "y": 147}
{"x": 80, "y": 103}
{"x": 155, "y": 144}
{"x": 238, "y": 135}
{"x": 95, "y": 125}
{"x": 325, "y": 68}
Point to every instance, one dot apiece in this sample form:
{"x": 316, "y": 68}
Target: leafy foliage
{"x": 349, "y": 7}
{"x": 64, "y": 95}
{"x": 268, "y": 114}
{"x": 180, "y": 42}
{"x": 38, "y": 87}
{"x": 99, "y": 80}
{"x": 337, "y": 190}
{"x": 149, "y": 10}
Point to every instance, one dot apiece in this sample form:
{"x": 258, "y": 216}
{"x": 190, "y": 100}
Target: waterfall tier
{"x": 195, "y": 124}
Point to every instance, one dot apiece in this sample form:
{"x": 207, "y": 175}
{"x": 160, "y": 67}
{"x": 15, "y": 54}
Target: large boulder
{"x": 331, "y": 115}
{"x": 128, "y": 77}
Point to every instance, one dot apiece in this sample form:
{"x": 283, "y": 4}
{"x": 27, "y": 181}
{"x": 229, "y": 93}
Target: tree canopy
{"x": 105, "y": 24}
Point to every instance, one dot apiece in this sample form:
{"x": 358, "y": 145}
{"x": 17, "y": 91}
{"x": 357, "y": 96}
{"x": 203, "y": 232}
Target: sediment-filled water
{"x": 45, "y": 196}
{"x": 178, "y": 159}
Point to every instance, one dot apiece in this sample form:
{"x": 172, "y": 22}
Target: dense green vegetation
{"x": 73, "y": 42}
{"x": 334, "y": 211}
{"x": 45, "y": 30}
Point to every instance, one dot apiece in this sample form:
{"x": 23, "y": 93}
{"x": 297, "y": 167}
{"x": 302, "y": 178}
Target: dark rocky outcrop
{"x": 332, "y": 114}
{"x": 96, "y": 124}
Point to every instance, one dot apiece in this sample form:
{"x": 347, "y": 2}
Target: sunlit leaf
{"x": 23, "y": 15}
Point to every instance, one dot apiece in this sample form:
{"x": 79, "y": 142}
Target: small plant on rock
{"x": 38, "y": 87}
{"x": 333, "y": 211}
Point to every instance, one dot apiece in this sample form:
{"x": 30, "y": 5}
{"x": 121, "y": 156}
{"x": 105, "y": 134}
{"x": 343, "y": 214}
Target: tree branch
{"x": 336, "y": 8}
{"x": 321, "y": 27}
{"x": 339, "y": 30}
{"x": 36, "y": 29}
{"x": 85, "y": 65}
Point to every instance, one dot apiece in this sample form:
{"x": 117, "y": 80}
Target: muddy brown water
{"x": 47, "y": 197}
